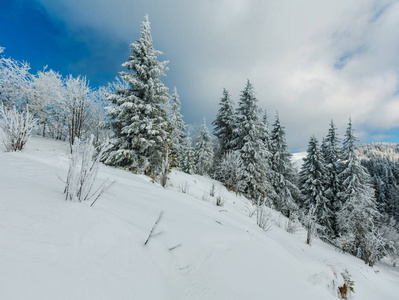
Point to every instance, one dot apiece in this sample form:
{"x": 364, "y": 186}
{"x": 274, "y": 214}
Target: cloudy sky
{"x": 310, "y": 60}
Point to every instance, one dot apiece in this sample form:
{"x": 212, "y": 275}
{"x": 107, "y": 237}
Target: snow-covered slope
{"x": 52, "y": 249}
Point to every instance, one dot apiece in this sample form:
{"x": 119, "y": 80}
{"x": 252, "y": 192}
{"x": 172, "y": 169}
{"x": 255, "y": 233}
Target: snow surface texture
{"x": 56, "y": 249}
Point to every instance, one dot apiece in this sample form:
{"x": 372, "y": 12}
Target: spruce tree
{"x": 137, "y": 116}
{"x": 266, "y": 134}
{"x": 283, "y": 171}
{"x": 203, "y": 151}
{"x": 248, "y": 133}
{"x": 224, "y": 124}
{"x": 178, "y": 127}
{"x": 187, "y": 160}
{"x": 311, "y": 180}
{"x": 331, "y": 154}
{"x": 358, "y": 214}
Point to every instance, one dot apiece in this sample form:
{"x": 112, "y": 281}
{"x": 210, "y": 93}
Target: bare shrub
{"x": 212, "y": 191}
{"x": 231, "y": 172}
{"x": 17, "y": 127}
{"x": 292, "y": 225}
{"x": 263, "y": 216}
{"x": 251, "y": 212}
{"x": 205, "y": 197}
{"x": 82, "y": 173}
{"x": 309, "y": 222}
{"x": 289, "y": 227}
{"x": 165, "y": 169}
{"x": 348, "y": 287}
{"x": 184, "y": 188}
{"x": 78, "y": 106}
{"x": 220, "y": 200}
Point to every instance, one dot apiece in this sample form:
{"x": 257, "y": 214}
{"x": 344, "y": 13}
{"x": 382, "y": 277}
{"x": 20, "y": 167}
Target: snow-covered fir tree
{"x": 266, "y": 134}
{"x": 331, "y": 154}
{"x": 224, "y": 124}
{"x": 203, "y": 151}
{"x": 311, "y": 180}
{"x": 248, "y": 140}
{"x": 213, "y": 172}
{"x": 283, "y": 179}
{"x": 358, "y": 215}
{"x": 187, "y": 160}
{"x": 138, "y": 119}
{"x": 178, "y": 127}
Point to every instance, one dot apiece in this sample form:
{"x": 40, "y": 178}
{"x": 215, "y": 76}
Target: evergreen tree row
{"x": 382, "y": 162}
{"x": 251, "y": 159}
{"x": 337, "y": 190}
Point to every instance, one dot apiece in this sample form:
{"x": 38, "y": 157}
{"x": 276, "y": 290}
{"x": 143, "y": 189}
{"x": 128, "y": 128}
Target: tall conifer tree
{"x": 248, "y": 133}
{"x": 178, "y": 126}
{"x": 267, "y": 134}
{"x": 358, "y": 214}
{"x": 187, "y": 159}
{"x": 331, "y": 154}
{"x": 311, "y": 178}
{"x": 203, "y": 151}
{"x": 138, "y": 119}
{"x": 283, "y": 171}
{"x": 224, "y": 124}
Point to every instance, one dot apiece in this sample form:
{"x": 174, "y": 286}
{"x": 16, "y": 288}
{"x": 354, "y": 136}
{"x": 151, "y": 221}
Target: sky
{"x": 313, "y": 61}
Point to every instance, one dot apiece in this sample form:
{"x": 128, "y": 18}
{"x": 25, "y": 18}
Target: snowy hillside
{"x": 52, "y": 249}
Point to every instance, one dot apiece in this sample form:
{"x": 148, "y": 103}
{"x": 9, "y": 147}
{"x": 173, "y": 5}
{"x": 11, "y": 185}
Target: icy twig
{"x": 154, "y": 227}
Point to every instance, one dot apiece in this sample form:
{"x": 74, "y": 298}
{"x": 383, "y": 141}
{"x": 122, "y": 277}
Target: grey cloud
{"x": 311, "y": 60}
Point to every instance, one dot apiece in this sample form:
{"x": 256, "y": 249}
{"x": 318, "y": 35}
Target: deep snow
{"x": 53, "y": 249}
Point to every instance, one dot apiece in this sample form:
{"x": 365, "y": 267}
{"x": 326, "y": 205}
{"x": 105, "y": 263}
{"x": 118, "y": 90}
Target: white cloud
{"x": 312, "y": 60}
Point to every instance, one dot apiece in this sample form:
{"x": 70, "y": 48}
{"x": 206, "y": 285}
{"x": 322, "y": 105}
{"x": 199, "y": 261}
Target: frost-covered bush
{"x": 165, "y": 169}
{"x": 82, "y": 173}
{"x": 382, "y": 241}
{"x": 263, "y": 216}
{"x": 184, "y": 188}
{"x": 348, "y": 287}
{"x": 309, "y": 221}
{"x": 212, "y": 191}
{"x": 292, "y": 224}
{"x": 16, "y": 126}
{"x": 231, "y": 172}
